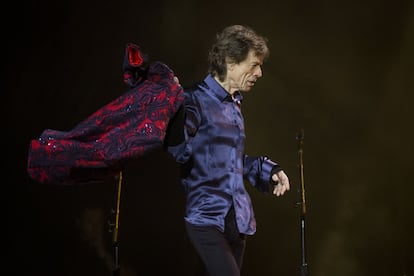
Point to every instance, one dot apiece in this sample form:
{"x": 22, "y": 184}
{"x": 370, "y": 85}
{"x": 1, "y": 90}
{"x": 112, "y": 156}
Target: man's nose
{"x": 258, "y": 72}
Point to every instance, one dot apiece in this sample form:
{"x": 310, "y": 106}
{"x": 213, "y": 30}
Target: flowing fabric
{"x": 124, "y": 129}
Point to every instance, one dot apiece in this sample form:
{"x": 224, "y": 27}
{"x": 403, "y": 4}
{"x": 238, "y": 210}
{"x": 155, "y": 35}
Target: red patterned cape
{"x": 126, "y": 128}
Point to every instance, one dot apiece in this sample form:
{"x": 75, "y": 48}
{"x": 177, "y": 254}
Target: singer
{"x": 207, "y": 138}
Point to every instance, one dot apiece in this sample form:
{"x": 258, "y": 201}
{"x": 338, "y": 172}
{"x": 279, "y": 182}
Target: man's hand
{"x": 281, "y": 183}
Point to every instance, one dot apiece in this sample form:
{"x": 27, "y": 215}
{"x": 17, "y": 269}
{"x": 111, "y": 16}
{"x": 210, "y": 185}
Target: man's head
{"x": 237, "y": 56}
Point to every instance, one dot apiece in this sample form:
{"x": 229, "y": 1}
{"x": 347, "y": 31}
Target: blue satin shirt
{"x": 214, "y": 165}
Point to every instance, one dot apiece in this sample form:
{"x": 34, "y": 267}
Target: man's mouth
{"x": 251, "y": 83}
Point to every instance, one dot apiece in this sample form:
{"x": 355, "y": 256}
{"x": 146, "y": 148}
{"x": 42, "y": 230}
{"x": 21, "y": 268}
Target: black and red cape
{"x": 124, "y": 129}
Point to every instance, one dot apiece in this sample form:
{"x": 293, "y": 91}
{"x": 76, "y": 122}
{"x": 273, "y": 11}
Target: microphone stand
{"x": 303, "y": 266}
{"x": 114, "y": 227}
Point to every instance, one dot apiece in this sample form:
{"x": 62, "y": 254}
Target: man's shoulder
{"x": 196, "y": 88}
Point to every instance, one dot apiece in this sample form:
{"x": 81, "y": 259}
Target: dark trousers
{"x": 222, "y": 253}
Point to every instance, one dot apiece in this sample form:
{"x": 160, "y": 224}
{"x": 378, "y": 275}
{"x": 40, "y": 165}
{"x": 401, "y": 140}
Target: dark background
{"x": 342, "y": 70}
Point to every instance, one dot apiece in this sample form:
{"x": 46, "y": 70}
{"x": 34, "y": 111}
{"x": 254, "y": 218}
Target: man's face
{"x": 243, "y": 76}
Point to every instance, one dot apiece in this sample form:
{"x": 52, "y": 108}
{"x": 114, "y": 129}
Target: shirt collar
{"x": 219, "y": 92}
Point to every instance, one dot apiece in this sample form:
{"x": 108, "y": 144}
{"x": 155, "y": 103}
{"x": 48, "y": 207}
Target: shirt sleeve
{"x": 182, "y": 150}
{"x": 258, "y": 172}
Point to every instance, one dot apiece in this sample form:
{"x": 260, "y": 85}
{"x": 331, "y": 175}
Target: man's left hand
{"x": 282, "y": 183}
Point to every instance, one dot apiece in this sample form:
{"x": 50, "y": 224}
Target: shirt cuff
{"x": 268, "y": 169}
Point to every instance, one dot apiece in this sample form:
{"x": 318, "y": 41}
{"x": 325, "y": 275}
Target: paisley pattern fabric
{"x": 124, "y": 129}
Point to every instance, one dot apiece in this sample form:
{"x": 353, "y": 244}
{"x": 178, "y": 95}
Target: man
{"x": 208, "y": 141}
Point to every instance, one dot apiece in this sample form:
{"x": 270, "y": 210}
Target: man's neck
{"x": 226, "y": 85}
